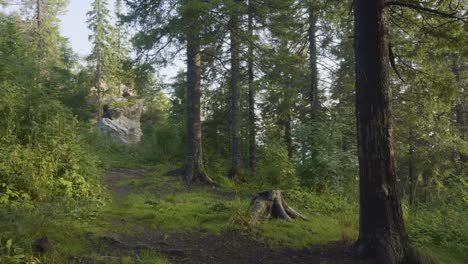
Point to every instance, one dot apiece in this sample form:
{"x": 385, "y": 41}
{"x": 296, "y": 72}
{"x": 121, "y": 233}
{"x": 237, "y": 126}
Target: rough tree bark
{"x": 234, "y": 87}
{"x": 250, "y": 69}
{"x": 194, "y": 164}
{"x": 267, "y": 205}
{"x": 382, "y": 232}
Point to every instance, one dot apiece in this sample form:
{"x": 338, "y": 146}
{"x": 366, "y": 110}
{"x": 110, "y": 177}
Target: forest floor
{"x": 158, "y": 219}
{"x": 145, "y": 217}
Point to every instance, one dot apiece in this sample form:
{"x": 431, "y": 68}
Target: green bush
{"x": 163, "y": 142}
{"x": 41, "y": 152}
{"x": 275, "y": 170}
{"x": 330, "y": 162}
{"x": 112, "y": 153}
{"x": 326, "y": 203}
{"x": 444, "y": 227}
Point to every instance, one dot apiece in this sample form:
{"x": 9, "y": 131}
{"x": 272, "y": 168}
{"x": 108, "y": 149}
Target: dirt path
{"x": 202, "y": 247}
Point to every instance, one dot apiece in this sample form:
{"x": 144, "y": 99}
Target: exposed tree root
{"x": 199, "y": 177}
{"x": 386, "y": 251}
{"x": 271, "y": 204}
{"x": 204, "y": 179}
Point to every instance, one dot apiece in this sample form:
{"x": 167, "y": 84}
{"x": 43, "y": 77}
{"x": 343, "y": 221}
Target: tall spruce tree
{"x": 234, "y": 29}
{"x": 194, "y": 170}
{"x": 121, "y": 50}
{"x": 102, "y": 56}
{"x": 43, "y": 15}
{"x": 382, "y": 233}
{"x": 181, "y": 25}
{"x": 251, "y": 87}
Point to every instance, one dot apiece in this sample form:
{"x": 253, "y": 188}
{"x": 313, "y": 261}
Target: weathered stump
{"x": 271, "y": 204}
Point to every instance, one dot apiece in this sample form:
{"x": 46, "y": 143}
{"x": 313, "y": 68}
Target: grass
{"x": 165, "y": 204}
{"x": 72, "y": 237}
{"x": 176, "y": 210}
{"x": 330, "y": 218}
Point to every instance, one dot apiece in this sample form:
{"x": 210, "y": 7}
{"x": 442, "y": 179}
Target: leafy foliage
{"x": 275, "y": 171}
{"x": 42, "y": 154}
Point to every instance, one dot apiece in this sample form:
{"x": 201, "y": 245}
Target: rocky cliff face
{"x": 121, "y": 121}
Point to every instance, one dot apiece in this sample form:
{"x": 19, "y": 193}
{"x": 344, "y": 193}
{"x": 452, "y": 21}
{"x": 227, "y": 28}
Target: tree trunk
{"x": 194, "y": 163}
{"x": 235, "y": 115}
{"x": 312, "y": 32}
{"x": 288, "y": 137}
{"x": 99, "y": 81}
{"x": 313, "y": 71}
{"x": 120, "y": 59}
{"x": 250, "y": 69}
{"x": 382, "y": 232}
{"x": 40, "y": 41}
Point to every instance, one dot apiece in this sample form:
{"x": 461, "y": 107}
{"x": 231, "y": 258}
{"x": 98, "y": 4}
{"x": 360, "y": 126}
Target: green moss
{"x": 299, "y": 234}
{"x": 435, "y": 254}
{"x": 164, "y": 204}
{"x": 179, "y": 212}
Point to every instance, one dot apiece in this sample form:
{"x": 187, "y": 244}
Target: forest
{"x": 235, "y": 131}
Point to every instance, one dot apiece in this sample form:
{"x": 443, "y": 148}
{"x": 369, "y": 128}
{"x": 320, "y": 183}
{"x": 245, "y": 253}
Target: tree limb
{"x": 425, "y": 9}
{"x": 392, "y": 61}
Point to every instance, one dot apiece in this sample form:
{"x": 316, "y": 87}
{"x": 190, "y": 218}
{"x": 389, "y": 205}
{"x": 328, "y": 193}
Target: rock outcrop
{"x": 121, "y": 121}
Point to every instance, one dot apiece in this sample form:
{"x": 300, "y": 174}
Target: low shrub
{"x": 274, "y": 170}
{"x": 41, "y": 152}
{"x": 444, "y": 227}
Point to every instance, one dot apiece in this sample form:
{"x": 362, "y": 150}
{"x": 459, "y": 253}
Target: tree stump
{"x": 271, "y": 204}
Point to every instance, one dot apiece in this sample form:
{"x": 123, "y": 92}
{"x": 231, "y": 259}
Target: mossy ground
{"x": 166, "y": 205}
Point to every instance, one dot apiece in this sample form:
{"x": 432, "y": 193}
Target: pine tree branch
{"x": 425, "y": 9}
{"x": 392, "y": 62}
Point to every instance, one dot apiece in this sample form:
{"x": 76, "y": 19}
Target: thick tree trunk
{"x": 312, "y": 32}
{"x": 234, "y": 87}
{"x": 267, "y": 205}
{"x": 250, "y": 69}
{"x": 194, "y": 163}
{"x": 382, "y": 232}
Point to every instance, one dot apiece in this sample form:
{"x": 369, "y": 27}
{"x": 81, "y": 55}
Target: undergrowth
{"x": 167, "y": 204}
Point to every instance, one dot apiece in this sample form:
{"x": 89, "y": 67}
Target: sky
{"x": 73, "y": 25}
